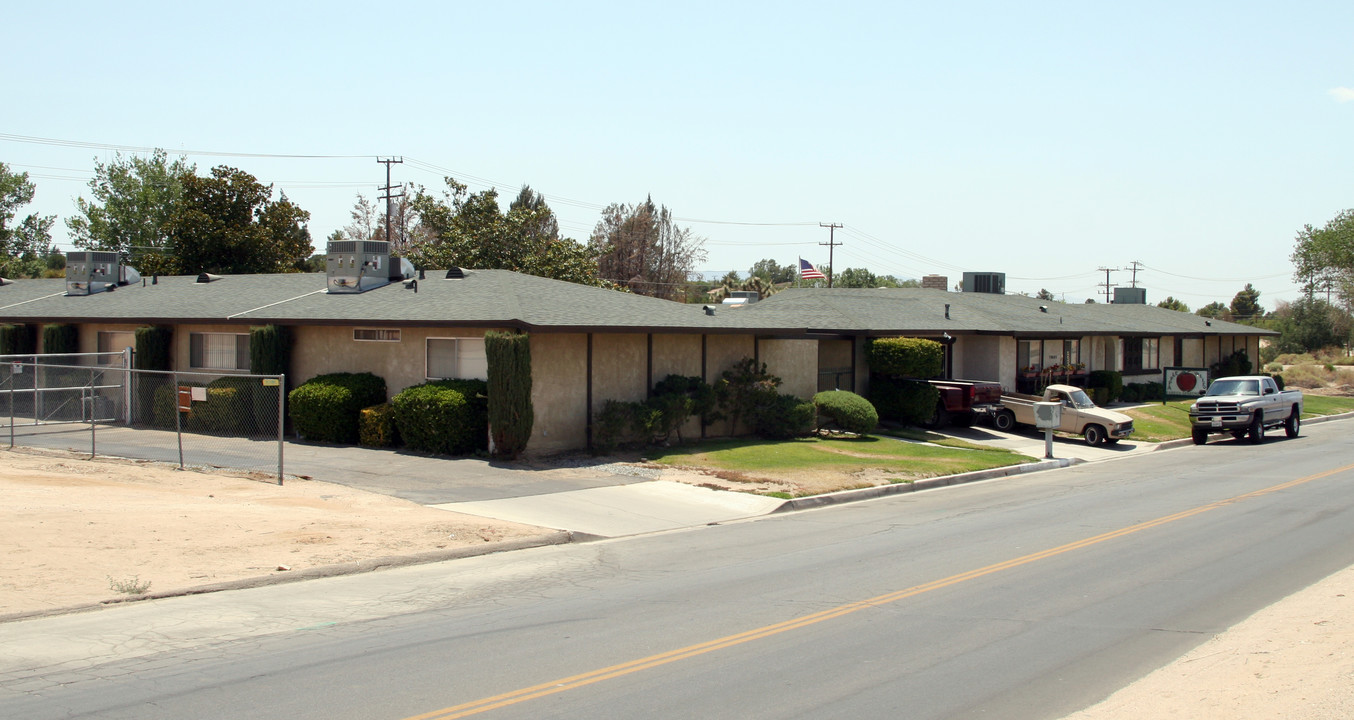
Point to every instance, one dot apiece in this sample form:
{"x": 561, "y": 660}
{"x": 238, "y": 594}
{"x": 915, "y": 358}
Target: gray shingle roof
{"x": 500, "y": 298}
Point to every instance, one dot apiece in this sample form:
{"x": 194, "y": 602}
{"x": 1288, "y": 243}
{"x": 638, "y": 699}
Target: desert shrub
{"x": 782, "y": 416}
{"x": 1111, "y": 380}
{"x": 847, "y": 411}
{"x": 742, "y": 388}
{"x": 447, "y": 417}
{"x": 906, "y": 357}
{"x": 511, "y": 415}
{"x": 1304, "y": 376}
{"x": 612, "y": 426}
{"x": 326, "y": 408}
{"x": 376, "y": 426}
{"x": 1274, "y": 367}
{"x": 1295, "y": 359}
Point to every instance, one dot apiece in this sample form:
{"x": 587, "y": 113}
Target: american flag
{"x": 808, "y": 272}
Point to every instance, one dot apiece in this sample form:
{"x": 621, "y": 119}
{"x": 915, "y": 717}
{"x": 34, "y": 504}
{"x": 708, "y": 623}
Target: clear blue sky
{"x": 1043, "y": 140}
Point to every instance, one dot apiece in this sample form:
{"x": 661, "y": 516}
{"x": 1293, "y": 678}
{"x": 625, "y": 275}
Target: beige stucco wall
{"x": 559, "y": 390}
{"x": 978, "y": 357}
{"x": 795, "y": 362}
{"x": 722, "y": 351}
{"x": 676, "y": 355}
{"x": 619, "y": 368}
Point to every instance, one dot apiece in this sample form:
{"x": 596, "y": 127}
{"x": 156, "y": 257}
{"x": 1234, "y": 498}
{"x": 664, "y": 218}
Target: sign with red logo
{"x": 1183, "y": 381}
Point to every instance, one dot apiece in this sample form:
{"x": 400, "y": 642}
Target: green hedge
{"x": 906, "y": 357}
{"x": 785, "y": 416}
{"x": 270, "y": 350}
{"x": 448, "y": 417}
{"x": 326, "y": 408}
{"x": 1111, "y": 380}
{"x": 17, "y": 339}
{"x": 1142, "y": 392}
{"x": 847, "y": 411}
{"x": 154, "y": 348}
{"x": 907, "y": 401}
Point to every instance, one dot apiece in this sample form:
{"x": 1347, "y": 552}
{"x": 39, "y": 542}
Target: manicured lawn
{"x": 1158, "y": 423}
{"x": 769, "y": 457}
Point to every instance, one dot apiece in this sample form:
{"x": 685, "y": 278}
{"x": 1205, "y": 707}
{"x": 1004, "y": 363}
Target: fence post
{"x": 11, "y": 406}
{"x": 127, "y": 354}
{"x": 281, "y": 397}
{"x": 178, "y": 416}
{"x": 92, "y": 415}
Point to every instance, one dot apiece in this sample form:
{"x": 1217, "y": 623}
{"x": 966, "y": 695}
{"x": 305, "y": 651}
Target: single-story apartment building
{"x": 590, "y": 345}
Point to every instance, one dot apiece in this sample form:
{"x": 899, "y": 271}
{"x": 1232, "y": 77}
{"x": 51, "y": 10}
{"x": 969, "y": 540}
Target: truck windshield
{"x": 1081, "y": 399}
{"x": 1227, "y": 386}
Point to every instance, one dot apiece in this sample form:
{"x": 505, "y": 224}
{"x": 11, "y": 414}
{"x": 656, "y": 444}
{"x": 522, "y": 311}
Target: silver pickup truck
{"x": 1245, "y": 406}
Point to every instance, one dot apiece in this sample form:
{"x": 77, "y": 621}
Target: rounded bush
{"x": 784, "y": 417}
{"x": 376, "y": 427}
{"x": 327, "y": 407}
{"x": 448, "y": 417}
{"x": 847, "y": 410}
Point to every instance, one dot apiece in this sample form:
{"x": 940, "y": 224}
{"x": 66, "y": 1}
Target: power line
{"x": 143, "y": 149}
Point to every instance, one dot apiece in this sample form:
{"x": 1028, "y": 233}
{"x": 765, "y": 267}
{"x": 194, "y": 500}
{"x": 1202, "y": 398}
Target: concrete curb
{"x": 846, "y": 496}
{"x": 324, "y": 571}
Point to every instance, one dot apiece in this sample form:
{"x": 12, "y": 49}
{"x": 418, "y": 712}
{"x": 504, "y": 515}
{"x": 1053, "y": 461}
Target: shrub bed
{"x": 846, "y": 411}
{"x": 326, "y": 408}
{"x": 447, "y": 417}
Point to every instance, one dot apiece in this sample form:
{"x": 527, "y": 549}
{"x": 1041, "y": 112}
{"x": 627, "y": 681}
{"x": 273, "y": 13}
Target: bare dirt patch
{"x": 73, "y": 527}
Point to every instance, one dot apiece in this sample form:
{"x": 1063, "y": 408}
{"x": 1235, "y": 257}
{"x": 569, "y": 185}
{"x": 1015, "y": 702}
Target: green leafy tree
{"x": 227, "y": 223}
{"x": 772, "y": 272}
{"x": 640, "y": 247}
{"x": 463, "y": 229}
{"x": 1309, "y": 324}
{"x": 1045, "y": 295}
{"x": 1215, "y": 310}
{"x": 862, "y": 278}
{"x": 133, "y": 203}
{"x": 1170, "y": 303}
{"x": 26, "y": 245}
{"x": 1246, "y": 304}
{"x": 1323, "y": 258}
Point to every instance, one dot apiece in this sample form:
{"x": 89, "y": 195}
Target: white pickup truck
{"x": 1245, "y": 406}
{"x": 1079, "y": 416}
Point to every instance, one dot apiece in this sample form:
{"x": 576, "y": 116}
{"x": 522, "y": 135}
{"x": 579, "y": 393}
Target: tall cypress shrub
{"x": 60, "y": 338}
{"x": 270, "y": 350}
{"x": 510, "y": 413}
{"x": 154, "y": 351}
{"x": 16, "y": 339}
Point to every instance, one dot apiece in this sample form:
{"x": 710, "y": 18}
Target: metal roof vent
{"x": 455, "y": 273}
{"x": 89, "y": 272}
{"x": 354, "y": 266}
{"x": 5, "y": 281}
{"x": 208, "y": 277}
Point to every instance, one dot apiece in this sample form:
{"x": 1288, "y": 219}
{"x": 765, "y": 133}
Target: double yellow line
{"x": 576, "y": 681}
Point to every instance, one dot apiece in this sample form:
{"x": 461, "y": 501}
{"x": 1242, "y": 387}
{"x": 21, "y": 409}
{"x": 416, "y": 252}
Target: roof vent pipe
{"x": 947, "y": 311}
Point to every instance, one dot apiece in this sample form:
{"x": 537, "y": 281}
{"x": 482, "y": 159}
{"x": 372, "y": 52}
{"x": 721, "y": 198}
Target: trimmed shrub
{"x": 1142, "y": 392}
{"x": 230, "y": 409}
{"x": 326, "y": 408}
{"x": 906, "y": 357}
{"x": 270, "y": 350}
{"x": 847, "y": 411}
{"x": 1111, "y": 380}
{"x": 17, "y": 339}
{"x": 60, "y": 338}
{"x": 782, "y": 416}
{"x": 154, "y": 347}
{"x": 376, "y": 426}
{"x": 511, "y": 415}
{"x": 613, "y": 425}
{"x": 163, "y": 406}
{"x": 1238, "y": 363}
{"x": 905, "y": 401}
{"x": 742, "y": 388}
{"x": 448, "y": 417}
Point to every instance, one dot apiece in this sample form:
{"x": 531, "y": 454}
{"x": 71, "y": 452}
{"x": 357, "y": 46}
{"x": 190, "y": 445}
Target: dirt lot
{"x": 75, "y": 527}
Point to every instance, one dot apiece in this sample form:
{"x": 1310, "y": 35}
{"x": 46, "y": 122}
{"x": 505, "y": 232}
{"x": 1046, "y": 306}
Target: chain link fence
{"x": 98, "y": 403}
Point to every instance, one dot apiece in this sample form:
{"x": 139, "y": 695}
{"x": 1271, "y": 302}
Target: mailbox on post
{"x": 1047, "y": 417}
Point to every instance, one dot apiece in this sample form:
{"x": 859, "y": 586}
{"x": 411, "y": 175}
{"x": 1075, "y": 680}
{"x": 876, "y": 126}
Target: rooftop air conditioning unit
{"x": 985, "y": 282}
{"x": 354, "y": 266}
{"x": 89, "y": 272}
{"x": 1130, "y": 296}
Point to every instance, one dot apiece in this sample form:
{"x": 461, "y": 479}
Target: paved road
{"x": 1026, "y": 597}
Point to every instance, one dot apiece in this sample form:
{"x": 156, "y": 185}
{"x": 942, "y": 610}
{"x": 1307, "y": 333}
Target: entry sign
{"x": 1185, "y": 381}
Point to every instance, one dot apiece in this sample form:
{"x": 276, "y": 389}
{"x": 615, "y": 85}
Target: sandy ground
{"x": 74, "y": 528}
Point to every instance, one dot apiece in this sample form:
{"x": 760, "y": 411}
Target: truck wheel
{"x": 1200, "y": 436}
{"x": 1256, "y": 434}
{"x": 940, "y": 417}
{"x": 1004, "y": 421}
{"x": 1094, "y": 434}
{"x": 1292, "y": 424}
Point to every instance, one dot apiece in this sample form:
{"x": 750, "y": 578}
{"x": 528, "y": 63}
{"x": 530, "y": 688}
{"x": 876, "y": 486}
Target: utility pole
{"x": 388, "y": 197}
{"x": 1109, "y": 288}
{"x": 831, "y": 245}
{"x": 1134, "y": 281}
